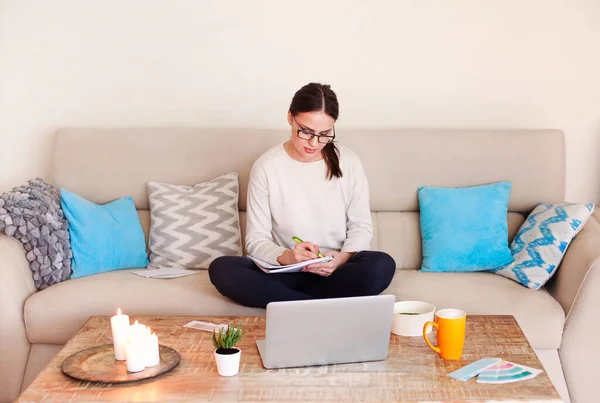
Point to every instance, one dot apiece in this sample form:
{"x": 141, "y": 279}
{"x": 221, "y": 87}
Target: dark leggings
{"x": 238, "y": 278}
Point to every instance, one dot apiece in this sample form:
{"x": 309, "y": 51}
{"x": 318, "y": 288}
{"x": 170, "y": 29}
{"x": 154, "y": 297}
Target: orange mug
{"x": 450, "y": 325}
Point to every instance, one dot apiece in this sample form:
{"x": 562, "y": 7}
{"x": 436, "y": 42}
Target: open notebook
{"x": 291, "y": 268}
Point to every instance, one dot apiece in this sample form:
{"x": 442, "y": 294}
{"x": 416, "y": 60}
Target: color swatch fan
{"x": 494, "y": 370}
{"x": 506, "y": 372}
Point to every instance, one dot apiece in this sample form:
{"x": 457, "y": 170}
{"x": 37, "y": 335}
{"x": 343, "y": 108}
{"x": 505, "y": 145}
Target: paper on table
{"x": 291, "y": 268}
{"x": 165, "y": 272}
{"x": 206, "y": 326}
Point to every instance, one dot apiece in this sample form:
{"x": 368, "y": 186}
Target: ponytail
{"x": 332, "y": 159}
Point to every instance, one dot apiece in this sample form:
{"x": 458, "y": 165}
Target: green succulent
{"x": 227, "y": 338}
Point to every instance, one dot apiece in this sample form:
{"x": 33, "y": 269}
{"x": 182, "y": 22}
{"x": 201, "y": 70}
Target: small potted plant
{"x": 227, "y": 355}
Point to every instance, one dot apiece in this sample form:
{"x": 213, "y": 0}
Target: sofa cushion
{"x": 52, "y": 317}
{"x": 464, "y": 229}
{"x": 103, "y": 237}
{"x": 111, "y": 162}
{"x": 56, "y": 314}
{"x": 481, "y": 293}
{"x": 193, "y": 225}
{"x": 542, "y": 242}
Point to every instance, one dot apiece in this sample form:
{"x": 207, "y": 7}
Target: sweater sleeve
{"x": 259, "y": 238}
{"x": 359, "y": 225}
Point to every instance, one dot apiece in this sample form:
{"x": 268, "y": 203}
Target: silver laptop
{"x": 327, "y": 331}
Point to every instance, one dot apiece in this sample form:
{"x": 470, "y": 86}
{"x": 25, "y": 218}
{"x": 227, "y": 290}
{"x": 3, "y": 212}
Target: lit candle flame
{"x": 119, "y": 311}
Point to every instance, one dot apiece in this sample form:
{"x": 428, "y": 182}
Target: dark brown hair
{"x": 316, "y": 97}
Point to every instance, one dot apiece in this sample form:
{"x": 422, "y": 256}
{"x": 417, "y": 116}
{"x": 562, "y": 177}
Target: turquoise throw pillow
{"x": 103, "y": 237}
{"x": 542, "y": 242}
{"x": 464, "y": 229}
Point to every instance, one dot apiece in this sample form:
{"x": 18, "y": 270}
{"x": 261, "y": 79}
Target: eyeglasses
{"x": 308, "y": 135}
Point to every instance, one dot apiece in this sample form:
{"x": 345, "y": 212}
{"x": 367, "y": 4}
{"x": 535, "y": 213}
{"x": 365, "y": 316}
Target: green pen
{"x": 295, "y": 238}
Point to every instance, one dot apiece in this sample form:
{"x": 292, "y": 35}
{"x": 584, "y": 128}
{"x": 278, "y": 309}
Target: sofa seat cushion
{"x": 540, "y": 316}
{"x": 55, "y": 314}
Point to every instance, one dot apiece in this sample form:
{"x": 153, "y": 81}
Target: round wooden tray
{"x": 98, "y": 364}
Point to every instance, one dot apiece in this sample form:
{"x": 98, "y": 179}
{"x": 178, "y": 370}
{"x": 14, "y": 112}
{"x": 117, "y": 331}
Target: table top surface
{"x": 412, "y": 372}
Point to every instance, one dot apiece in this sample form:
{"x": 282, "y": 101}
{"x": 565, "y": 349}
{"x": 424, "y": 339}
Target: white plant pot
{"x": 228, "y": 364}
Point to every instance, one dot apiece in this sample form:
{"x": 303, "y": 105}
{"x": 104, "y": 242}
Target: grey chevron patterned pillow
{"x": 193, "y": 225}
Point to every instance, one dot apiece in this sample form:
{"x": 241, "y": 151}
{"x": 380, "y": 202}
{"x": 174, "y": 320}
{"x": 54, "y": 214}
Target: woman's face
{"x": 313, "y": 122}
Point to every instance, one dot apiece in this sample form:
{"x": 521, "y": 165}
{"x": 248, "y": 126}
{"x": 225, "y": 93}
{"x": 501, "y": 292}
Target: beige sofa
{"x": 561, "y": 322}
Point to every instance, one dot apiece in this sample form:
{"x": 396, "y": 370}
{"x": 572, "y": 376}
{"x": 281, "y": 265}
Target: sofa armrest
{"x": 581, "y": 256}
{"x": 16, "y": 285}
{"x": 576, "y": 287}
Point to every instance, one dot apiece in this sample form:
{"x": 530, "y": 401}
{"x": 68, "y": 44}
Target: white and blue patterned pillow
{"x": 542, "y": 242}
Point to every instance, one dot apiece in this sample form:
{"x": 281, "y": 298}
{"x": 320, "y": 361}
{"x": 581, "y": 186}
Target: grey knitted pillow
{"x": 33, "y": 215}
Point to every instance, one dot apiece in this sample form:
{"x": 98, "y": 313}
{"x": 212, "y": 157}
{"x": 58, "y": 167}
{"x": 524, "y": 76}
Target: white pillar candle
{"x": 135, "y": 349}
{"x": 152, "y": 352}
{"x": 120, "y": 331}
{"x": 137, "y": 332}
{"x": 136, "y": 353}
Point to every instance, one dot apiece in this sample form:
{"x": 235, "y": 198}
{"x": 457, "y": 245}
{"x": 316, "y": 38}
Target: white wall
{"x": 459, "y": 63}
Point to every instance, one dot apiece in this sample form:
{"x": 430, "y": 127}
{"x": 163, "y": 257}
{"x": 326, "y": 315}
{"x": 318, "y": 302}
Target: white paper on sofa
{"x": 165, "y": 272}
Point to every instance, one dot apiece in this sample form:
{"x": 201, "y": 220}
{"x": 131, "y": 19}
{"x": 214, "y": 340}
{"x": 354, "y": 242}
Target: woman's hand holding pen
{"x": 302, "y": 251}
{"x": 305, "y": 251}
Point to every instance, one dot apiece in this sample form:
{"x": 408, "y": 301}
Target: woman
{"x": 309, "y": 188}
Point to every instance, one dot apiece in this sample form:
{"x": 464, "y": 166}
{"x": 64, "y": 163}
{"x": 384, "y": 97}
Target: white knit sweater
{"x": 288, "y": 198}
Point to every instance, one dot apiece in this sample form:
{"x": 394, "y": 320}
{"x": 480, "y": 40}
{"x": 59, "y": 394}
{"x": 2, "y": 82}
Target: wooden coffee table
{"x": 411, "y": 373}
